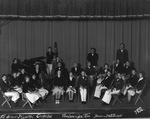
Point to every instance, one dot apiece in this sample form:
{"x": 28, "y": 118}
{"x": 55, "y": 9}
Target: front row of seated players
{"x": 60, "y": 87}
{"x": 16, "y": 88}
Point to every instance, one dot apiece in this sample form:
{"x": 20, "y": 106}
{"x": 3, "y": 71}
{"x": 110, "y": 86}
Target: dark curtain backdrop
{"x": 29, "y": 39}
{"x": 74, "y": 7}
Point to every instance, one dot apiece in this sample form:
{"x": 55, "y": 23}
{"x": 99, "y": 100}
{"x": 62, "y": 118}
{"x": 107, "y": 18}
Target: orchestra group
{"x": 56, "y": 80}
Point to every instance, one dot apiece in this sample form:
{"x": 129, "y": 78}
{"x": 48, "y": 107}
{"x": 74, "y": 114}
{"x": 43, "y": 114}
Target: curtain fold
{"x": 27, "y": 39}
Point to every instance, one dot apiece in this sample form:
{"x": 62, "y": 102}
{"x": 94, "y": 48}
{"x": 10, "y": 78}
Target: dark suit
{"x": 140, "y": 84}
{"x": 71, "y": 82}
{"x": 15, "y": 67}
{"x": 76, "y": 72}
{"x": 133, "y": 80}
{"x": 28, "y": 87}
{"x": 107, "y": 81}
{"x": 90, "y": 71}
{"x": 118, "y": 68}
{"x": 83, "y": 81}
{"x": 122, "y": 56}
{"x": 59, "y": 81}
{"x": 16, "y": 82}
{"x": 49, "y": 57}
{"x": 127, "y": 70}
{"x": 118, "y": 84}
{"x": 4, "y": 86}
{"x": 92, "y": 58}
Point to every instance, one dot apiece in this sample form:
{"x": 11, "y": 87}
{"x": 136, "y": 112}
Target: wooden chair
{"x": 116, "y": 98}
{"x": 26, "y": 101}
{"x": 138, "y": 95}
{"x": 7, "y": 99}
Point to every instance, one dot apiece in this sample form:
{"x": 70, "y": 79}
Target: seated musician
{"x": 8, "y": 91}
{"x": 59, "y": 85}
{"x": 61, "y": 67}
{"x": 90, "y": 72}
{"x": 32, "y": 95}
{"x": 76, "y": 70}
{"x": 16, "y": 84}
{"x": 21, "y": 77}
{"x": 137, "y": 88}
{"x": 106, "y": 68}
{"x": 103, "y": 83}
{"x": 127, "y": 68}
{"x": 118, "y": 67}
{"x": 71, "y": 86}
{"x": 37, "y": 69}
{"x": 131, "y": 82}
{"x": 116, "y": 88}
{"x": 83, "y": 86}
{"x": 43, "y": 86}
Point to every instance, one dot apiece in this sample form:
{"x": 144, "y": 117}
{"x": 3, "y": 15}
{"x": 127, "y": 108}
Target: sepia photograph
{"x": 74, "y": 59}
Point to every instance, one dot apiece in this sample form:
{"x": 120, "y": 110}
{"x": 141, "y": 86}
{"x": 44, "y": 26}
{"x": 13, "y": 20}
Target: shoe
{"x": 104, "y": 103}
{"x": 96, "y": 98}
{"x": 16, "y": 104}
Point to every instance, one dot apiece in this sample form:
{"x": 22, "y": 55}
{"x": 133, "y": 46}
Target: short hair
{"x": 122, "y": 44}
{"x": 49, "y": 47}
{"x": 93, "y": 49}
{"x": 4, "y": 75}
{"x": 15, "y": 59}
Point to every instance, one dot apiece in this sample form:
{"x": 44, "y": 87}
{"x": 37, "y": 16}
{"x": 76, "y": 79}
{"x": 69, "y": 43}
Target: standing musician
{"x": 15, "y": 65}
{"x": 49, "y": 58}
{"x": 122, "y": 54}
{"x": 71, "y": 86}
{"x": 83, "y": 86}
{"x": 8, "y": 91}
{"x": 93, "y": 57}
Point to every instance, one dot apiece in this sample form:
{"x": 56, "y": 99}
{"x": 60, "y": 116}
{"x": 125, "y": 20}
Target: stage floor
{"x": 94, "y": 108}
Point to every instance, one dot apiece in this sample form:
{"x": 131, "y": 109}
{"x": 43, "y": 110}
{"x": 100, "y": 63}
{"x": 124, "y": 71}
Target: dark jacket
{"x": 140, "y": 84}
{"x": 76, "y": 72}
{"x": 71, "y": 82}
{"x": 4, "y": 86}
{"x": 133, "y": 80}
{"x": 92, "y": 58}
{"x": 28, "y": 87}
{"x": 59, "y": 81}
{"x": 49, "y": 57}
{"x": 127, "y": 70}
{"x": 83, "y": 81}
{"x": 122, "y": 56}
{"x": 90, "y": 70}
{"x": 107, "y": 81}
{"x": 118, "y": 84}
